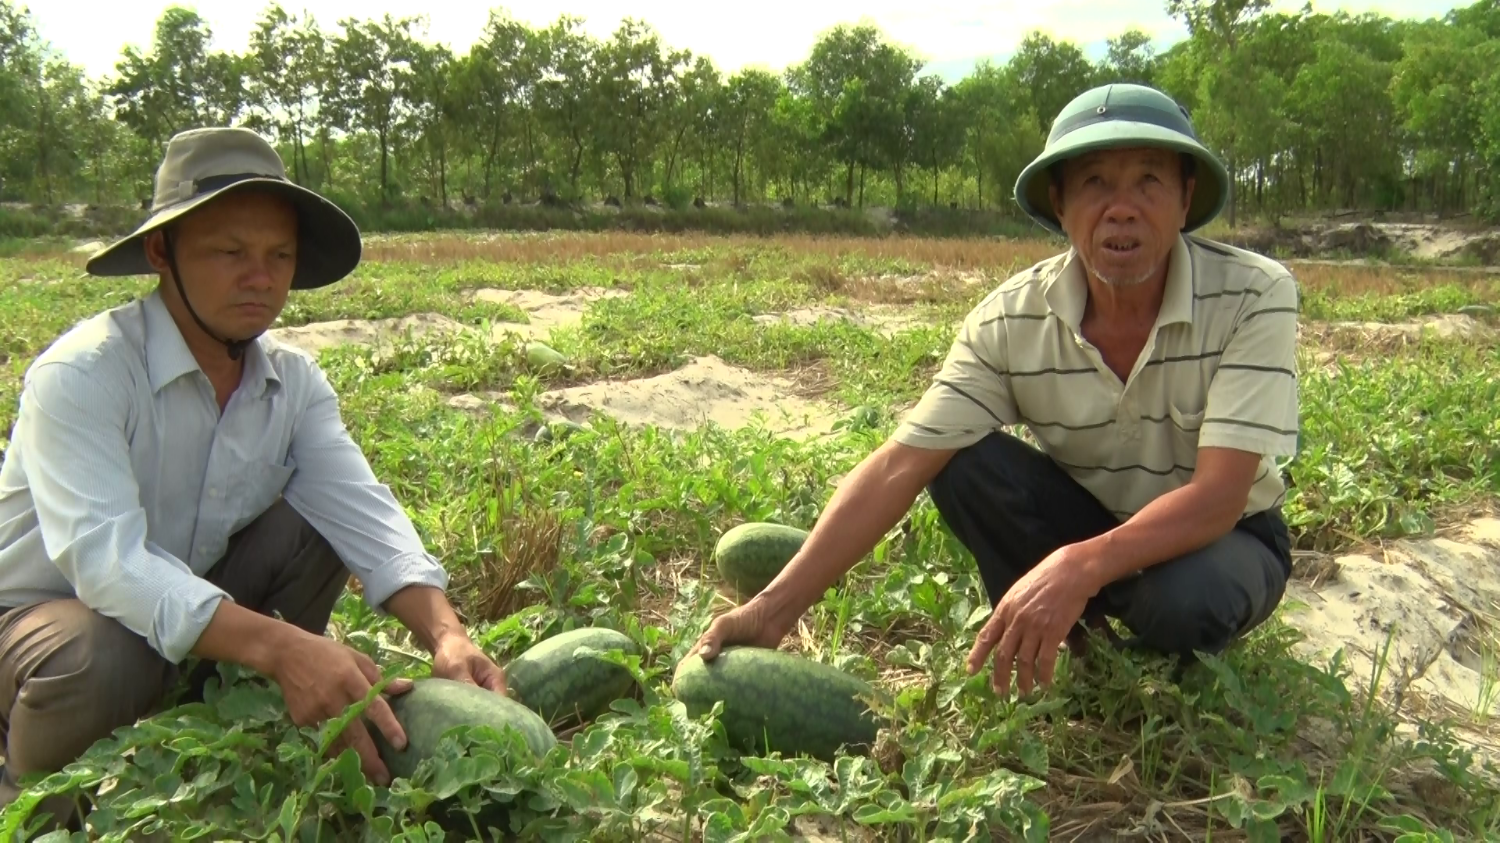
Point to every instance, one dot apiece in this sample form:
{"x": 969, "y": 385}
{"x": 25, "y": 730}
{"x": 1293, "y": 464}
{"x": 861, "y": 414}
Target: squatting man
{"x": 1157, "y": 370}
{"x": 177, "y": 481}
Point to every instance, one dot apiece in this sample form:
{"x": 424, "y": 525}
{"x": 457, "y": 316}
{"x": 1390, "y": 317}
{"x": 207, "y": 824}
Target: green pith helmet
{"x": 1115, "y": 116}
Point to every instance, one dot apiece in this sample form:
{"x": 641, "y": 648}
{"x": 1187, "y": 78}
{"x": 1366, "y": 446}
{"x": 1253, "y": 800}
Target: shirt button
{"x": 213, "y": 493}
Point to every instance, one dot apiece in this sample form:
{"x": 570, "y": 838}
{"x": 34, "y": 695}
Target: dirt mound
{"x": 705, "y": 390}
{"x": 544, "y": 310}
{"x": 1333, "y": 340}
{"x": 1436, "y": 601}
{"x": 316, "y": 336}
{"x": 1365, "y": 239}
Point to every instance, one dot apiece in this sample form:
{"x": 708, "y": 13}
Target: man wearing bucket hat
{"x": 1156, "y": 370}
{"x": 180, "y": 485}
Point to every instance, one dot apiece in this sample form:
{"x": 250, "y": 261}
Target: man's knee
{"x": 73, "y": 676}
{"x": 1205, "y": 600}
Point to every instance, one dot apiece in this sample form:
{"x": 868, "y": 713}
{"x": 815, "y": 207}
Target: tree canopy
{"x": 1312, "y": 112}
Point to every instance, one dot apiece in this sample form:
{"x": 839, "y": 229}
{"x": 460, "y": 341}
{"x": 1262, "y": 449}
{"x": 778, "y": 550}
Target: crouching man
{"x": 178, "y": 484}
{"x": 1157, "y": 371}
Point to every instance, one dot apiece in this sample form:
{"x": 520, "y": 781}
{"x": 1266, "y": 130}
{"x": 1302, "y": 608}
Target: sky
{"x": 950, "y": 35}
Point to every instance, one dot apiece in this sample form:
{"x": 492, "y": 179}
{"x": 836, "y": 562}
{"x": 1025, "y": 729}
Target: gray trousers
{"x": 1012, "y": 506}
{"x": 69, "y": 676}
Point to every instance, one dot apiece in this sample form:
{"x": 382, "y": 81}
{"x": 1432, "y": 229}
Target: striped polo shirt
{"x": 1218, "y": 370}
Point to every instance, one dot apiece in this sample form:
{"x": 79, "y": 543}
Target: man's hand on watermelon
{"x": 1033, "y": 619}
{"x": 320, "y": 678}
{"x": 427, "y": 613}
{"x": 753, "y": 624}
{"x": 458, "y": 658}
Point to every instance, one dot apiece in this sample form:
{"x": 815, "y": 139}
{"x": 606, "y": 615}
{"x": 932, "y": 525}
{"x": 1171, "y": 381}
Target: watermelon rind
{"x": 776, "y": 701}
{"x": 563, "y": 678}
{"x": 750, "y": 555}
{"x": 434, "y": 706}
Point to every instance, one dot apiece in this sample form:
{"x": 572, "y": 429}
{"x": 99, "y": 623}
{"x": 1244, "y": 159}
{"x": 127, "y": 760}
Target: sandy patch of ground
{"x": 316, "y": 336}
{"x": 886, "y": 320}
{"x": 705, "y": 390}
{"x": 1332, "y": 341}
{"x": 544, "y": 310}
{"x": 1361, "y": 238}
{"x": 1437, "y": 600}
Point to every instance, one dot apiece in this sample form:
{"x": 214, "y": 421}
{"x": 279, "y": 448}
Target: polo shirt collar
{"x": 168, "y": 357}
{"x": 1067, "y": 290}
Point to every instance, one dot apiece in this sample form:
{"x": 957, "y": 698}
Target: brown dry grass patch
{"x": 1368, "y": 340}
{"x": 938, "y": 287}
{"x": 565, "y": 247}
{"x": 528, "y": 541}
{"x": 1378, "y": 280}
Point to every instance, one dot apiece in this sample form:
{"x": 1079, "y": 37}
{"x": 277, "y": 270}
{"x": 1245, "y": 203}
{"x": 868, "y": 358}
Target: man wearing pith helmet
{"x": 180, "y": 485}
{"x": 1156, "y": 370}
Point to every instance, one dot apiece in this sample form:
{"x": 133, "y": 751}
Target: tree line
{"x": 1312, "y": 112}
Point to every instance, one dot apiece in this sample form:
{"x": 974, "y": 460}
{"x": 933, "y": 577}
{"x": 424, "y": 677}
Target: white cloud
{"x": 770, "y": 33}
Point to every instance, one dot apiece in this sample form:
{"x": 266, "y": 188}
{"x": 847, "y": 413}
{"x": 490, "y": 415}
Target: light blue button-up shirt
{"x": 123, "y": 483}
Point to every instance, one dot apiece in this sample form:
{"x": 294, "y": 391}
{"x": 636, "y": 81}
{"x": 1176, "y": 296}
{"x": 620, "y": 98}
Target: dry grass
{"x": 1367, "y": 340}
{"x": 1386, "y": 280}
{"x": 528, "y": 541}
{"x": 553, "y": 248}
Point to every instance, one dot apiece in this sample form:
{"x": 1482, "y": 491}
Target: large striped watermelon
{"x": 562, "y": 677}
{"x": 749, "y": 556}
{"x": 779, "y": 702}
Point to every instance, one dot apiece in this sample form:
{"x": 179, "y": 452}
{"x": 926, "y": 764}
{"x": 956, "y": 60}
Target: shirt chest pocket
{"x": 257, "y": 488}
{"x": 1184, "y": 434}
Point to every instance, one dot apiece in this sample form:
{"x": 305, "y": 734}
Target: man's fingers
{"x": 1005, "y": 658}
{"x": 367, "y": 667}
{"x": 399, "y": 686}
{"x": 1026, "y": 655}
{"x": 711, "y": 642}
{"x": 385, "y": 720}
{"x": 1046, "y": 662}
{"x": 369, "y": 757}
{"x": 985, "y": 641}
{"x": 492, "y": 678}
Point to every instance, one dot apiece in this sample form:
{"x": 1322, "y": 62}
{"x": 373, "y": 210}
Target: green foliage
{"x": 1313, "y": 111}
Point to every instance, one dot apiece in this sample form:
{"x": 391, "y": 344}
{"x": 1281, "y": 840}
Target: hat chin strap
{"x": 236, "y": 348}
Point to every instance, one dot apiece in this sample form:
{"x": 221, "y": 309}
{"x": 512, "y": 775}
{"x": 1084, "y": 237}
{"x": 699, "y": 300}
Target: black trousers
{"x": 1012, "y": 506}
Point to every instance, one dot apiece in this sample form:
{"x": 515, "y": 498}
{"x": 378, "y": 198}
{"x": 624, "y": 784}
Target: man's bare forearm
{"x": 241, "y": 636}
{"x": 870, "y": 501}
{"x": 1178, "y": 522}
{"x": 425, "y": 611}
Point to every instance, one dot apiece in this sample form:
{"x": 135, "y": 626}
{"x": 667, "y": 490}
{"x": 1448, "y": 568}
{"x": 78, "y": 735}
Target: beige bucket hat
{"x": 202, "y": 164}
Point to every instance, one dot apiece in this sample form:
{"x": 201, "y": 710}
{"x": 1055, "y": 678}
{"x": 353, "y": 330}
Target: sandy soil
{"x": 544, "y": 310}
{"x": 705, "y": 390}
{"x": 887, "y": 320}
{"x": 316, "y": 336}
{"x": 1438, "y": 601}
{"x": 1426, "y": 241}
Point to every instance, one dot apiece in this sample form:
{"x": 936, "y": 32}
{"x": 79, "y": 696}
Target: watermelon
{"x": 549, "y": 432}
{"x": 434, "y": 706}
{"x": 562, "y": 677}
{"x": 750, "y": 555}
{"x": 780, "y": 702}
{"x": 543, "y": 357}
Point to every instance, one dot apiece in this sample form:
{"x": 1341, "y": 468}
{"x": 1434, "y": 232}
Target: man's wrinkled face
{"x": 237, "y": 255}
{"x": 1123, "y": 209}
